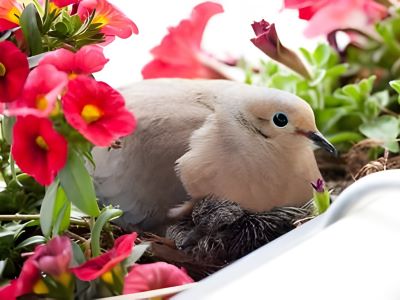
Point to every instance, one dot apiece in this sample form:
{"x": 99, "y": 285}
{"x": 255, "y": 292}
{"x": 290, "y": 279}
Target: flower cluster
{"x": 49, "y": 272}
{"x": 59, "y": 98}
{"x": 180, "y": 54}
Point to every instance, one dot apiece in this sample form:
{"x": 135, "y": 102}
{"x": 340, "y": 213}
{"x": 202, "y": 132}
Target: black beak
{"x": 319, "y": 140}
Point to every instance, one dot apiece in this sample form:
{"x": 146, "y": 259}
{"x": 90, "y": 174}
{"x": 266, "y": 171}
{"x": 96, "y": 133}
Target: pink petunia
{"x": 87, "y": 60}
{"x": 154, "y": 276}
{"x": 97, "y": 266}
{"x": 180, "y": 53}
{"x": 326, "y": 16}
{"x": 63, "y": 3}
{"x": 43, "y": 86}
{"x": 113, "y": 22}
{"x": 38, "y": 149}
{"x": 97, "y": 111}
{"x": 14, "y": 70}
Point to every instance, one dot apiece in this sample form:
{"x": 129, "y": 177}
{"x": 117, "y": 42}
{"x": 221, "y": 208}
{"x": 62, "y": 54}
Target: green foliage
{"x": 78, "y": 185}
{"x": 107, "y": 214}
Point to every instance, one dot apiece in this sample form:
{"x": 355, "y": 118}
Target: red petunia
{"x": 10, "y": 11}
{"x": 14, "y": 70}
{"x": 113, "y": 21}
{"x": 180, "y": 54}
{"x": 8, "y": 291}
{"x": 38, "y": 149}
{"x": 43, "y": 86}
{"x": 326, "y": 16}
{"x": 154, "y": 276}
{"x": 97, "y": 111}
{"x": 87, "y": 60}
{"x": 97, "y": 266}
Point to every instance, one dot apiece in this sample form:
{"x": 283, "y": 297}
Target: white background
{"x": 227, "y": 34}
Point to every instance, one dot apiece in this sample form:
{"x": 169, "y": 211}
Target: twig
{"x": 76, "y": 237}
{"x": 18, "y": 217}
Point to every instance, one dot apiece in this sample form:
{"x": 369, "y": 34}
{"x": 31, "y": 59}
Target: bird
{"x": 251, "y": 145}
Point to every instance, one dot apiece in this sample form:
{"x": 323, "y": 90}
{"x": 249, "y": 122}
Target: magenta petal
{"x": 153, "y": 276}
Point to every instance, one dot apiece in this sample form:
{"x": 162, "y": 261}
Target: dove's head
{"x": 280, "y": 117}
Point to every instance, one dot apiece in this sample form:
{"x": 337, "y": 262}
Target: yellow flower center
{"x": 41, "y": 142}
{"x": 91, "y": 113}
{"x": 13, "y": 15}
{"x": 40, "y": 288}
{"x": 100, "y": 19}
{"x": 107, "y": 277}
{"x": 41, "y": 103}
{"x": 2, "y": 70}
{"x": 64, "y": 278}
{"x": 72, "y": 76}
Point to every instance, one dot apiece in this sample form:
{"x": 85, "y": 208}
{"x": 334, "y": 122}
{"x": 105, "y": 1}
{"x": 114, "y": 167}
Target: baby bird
{"x": 199, "y": 138}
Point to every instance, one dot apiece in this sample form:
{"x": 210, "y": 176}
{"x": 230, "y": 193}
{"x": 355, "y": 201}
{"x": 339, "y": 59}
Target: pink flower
{"x": 88, "y": 60}
{"x": 267, "y": 41}
{"x": 13, "y": 71}
{"x": 8, "y": 291}
{"x": 97, "y": 266}
{"x": 38, "y": 149}
{"x": 113, "y": 21}
{"x": 52, "y": 259}
{"x": 97, "y": 111}
{"x": 153, "y": 276}
{"x": 10, "y": 11}
{"x": 326, "y": 16}
{"x": 63, "y": 3}
{"x": 180, "y": 54}
{"x": 43, "y": 86}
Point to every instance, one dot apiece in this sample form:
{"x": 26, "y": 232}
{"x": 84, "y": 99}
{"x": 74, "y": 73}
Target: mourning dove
{"x": 196, "y": 138}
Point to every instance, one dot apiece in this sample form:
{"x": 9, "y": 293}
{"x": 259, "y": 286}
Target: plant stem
{"x": 18, "y": 217}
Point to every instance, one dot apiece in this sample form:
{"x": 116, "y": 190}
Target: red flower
{"x": 97, "y": 266}
{"x": 97, "y": 111}
{"x": 153, "y": 276}
{"x": 63, "y": 3}
{"x": 87, "y": 60}
{"x": 10, "y": 11}
{"x": 113, "y": 21}
{"x": 8, "y": 291}
{"x": 328, "y": 15}
{"x": 13, "y": 71}
{"x": 179, "y": 54}
{"x": 52, "y": 259}
{"x": 38, "y": 149}
{"x": 43, "y": 86}
{"x": 267, "y": 41}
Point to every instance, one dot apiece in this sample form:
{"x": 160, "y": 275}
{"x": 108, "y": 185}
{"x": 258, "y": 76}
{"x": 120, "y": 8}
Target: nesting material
{"x": 221, "y": 231}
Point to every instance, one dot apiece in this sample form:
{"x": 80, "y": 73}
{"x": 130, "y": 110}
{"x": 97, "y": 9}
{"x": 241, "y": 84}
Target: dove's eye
{"x": 280, "y": 119}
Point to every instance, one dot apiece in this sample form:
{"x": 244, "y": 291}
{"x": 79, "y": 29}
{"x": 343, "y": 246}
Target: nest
{"x": 220, "y": 231}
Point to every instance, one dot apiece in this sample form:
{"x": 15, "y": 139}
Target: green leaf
{"x": 47, "y": 209}
{"x": 385, "y": 129}
{"x": 78, "y": 257}
{"x": 337, "y": 70}
{"x": 55, "y": 211}
{"x": 137, "y": 253}
{"x": 395, "y": 84}
{"x": 307, "y": 55}
{"x": 33, "y": 240}
{"x": 321, "y": 54}
{"x": 30, "y": 23}
{"x": 367, "y": 84}
{"x": 78, "y": 185}
{"x": 106, "y": 215}
{"x": 7, "y": 126}
{"x": 62, "y": 221}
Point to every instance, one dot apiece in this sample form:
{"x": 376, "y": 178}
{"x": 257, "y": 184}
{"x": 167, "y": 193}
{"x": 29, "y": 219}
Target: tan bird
{"x": 251, "y": 145}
